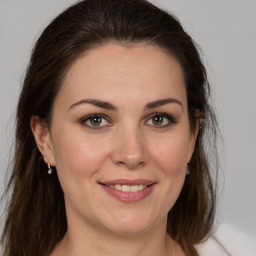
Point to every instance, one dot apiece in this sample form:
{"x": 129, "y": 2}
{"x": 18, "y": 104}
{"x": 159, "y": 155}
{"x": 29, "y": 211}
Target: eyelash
{"x": 170, "y": 119}
{"x": 90, "y": 117}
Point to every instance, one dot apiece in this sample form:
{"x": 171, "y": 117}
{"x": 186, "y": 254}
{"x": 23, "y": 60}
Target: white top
{"x": 212, "y": 247}
{"x": 228, "y": 241}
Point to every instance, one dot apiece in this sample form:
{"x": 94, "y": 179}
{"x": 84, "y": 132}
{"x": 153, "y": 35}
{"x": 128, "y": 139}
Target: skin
{"x": 127, "y": 144}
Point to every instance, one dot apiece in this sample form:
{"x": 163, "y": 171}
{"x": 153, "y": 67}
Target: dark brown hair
{"x": 36, "y": 219}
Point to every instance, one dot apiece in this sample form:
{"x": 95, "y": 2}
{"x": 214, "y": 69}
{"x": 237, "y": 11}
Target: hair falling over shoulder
{"x": 35, "y": 212}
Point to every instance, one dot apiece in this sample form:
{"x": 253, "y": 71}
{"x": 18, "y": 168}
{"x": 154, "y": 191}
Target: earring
{"x": 188, "y": 170}
{"x": 49, "y": 169}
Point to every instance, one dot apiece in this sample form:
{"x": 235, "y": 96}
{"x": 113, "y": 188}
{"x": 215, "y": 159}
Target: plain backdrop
{"x": 226, "y": 33}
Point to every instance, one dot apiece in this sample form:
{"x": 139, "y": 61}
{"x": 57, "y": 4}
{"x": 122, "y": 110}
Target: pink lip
{"x": 128, "y": 196}
{"x": 128, "y": 182}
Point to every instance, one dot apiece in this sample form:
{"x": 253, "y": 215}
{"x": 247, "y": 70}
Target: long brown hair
{"x": 36, "y": 219}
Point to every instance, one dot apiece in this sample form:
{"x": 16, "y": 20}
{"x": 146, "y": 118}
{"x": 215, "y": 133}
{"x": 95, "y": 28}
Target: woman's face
{"x": 120, "y": 138}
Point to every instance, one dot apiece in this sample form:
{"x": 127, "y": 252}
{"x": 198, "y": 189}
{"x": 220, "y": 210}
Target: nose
{"x": 130, "y": 149}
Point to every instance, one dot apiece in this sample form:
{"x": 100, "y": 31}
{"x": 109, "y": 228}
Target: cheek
{"x": 171, "y": 155}
{"x": 77, "y": 155}
{"x": 78, "y": 160}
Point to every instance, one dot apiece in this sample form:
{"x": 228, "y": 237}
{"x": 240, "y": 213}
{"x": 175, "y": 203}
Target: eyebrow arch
{"x": 162, "y": 102}
{"x": 97, "y": 103}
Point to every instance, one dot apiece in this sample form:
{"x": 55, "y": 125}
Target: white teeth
{"x": 128, "y": 188}
{"x": 118, "y": 187}
{"x": 135, "y": 188}
{"x": 141, "y": 187}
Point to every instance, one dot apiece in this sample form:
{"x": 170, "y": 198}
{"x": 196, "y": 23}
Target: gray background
{"x": 226, "y": 32}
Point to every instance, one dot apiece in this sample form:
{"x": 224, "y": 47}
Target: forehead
{"x": 113, "y": 72}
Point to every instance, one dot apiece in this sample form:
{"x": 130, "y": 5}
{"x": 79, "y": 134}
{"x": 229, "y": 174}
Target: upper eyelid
{"x": 85, "y": 118}
{"x": 164, "y": 114}
{"x": 148, "y": 117}
{"x": 171, "y": 119}
{"x": 95, "y": 115}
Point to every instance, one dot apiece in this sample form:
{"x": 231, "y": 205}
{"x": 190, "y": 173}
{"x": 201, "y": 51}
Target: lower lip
{"x": 129, "y": 196}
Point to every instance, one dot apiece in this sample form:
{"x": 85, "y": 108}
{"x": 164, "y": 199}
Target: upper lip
{"x": 128, "y": 182}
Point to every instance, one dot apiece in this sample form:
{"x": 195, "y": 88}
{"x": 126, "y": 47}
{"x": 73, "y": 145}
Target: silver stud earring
{"x": 49, "y": 169}
{"x": 187, "y": 170}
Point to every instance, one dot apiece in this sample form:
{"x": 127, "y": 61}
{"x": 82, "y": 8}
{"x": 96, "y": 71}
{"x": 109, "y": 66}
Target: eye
{"x": 161, "y": 120}
{"x": 95, "y": 121}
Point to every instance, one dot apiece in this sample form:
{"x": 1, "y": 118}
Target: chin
{"x": 130, "y": 224}
{"x": 129, "y": 229}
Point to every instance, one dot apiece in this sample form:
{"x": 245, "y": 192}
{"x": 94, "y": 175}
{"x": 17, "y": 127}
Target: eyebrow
{"x": 97, "y": 103}
{"x": 109, "y": 106}
{"x": 162, "y": 102}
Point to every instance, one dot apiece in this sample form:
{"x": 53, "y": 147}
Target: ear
{"x": 194, "y": 133}
{"x": 43, "y": 139}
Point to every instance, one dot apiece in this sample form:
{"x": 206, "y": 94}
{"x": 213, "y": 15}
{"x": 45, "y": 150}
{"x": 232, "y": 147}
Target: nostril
{"x": 130, "y": 151}
{"x": 131, "y": 164}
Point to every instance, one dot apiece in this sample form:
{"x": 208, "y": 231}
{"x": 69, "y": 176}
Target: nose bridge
{"x": 131, "y": 149}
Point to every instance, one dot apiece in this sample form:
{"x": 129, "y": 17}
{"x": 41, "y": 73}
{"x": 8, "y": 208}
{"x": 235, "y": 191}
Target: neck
{"x": 81, "y": 240}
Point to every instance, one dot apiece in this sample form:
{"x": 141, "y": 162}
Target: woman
{"x": 111, "y": 156}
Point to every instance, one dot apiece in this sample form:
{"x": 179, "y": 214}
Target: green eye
{"x": 158, "y": 120}
{"x": 161, "y": 120}
{"x": 95, "y": 121}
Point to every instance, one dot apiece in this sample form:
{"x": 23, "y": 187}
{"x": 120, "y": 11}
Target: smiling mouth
{"x": 128, "y": 188}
